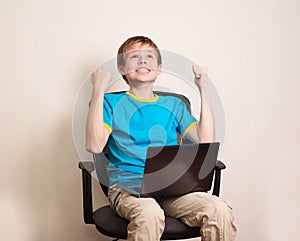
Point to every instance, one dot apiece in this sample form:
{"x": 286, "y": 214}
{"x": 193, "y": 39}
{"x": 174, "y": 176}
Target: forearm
{"x": 206, "y": 127}
{"x": 205, "y": 131}
{"x": 95, "y": 130}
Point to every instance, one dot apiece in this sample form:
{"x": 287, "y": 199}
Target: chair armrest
{"x": 217, "y": 180}
{"x": 87, "y": 168}
{"x": 220, "y": 165}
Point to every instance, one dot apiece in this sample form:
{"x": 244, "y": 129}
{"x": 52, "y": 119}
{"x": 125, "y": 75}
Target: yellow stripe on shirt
{"x": 189, "y": 128}
{"x": 143, "y": 100}
{"x": 108, "y": 128}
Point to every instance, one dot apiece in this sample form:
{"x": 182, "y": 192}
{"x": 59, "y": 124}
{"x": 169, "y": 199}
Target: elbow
{"x": 92, "y": 148}
{"x": 93, "y": 144}
{"x": 207, "y": 137}
{"x": 208, "y": 140}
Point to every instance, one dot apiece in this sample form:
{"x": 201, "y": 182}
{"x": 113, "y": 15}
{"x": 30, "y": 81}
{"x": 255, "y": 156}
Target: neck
{"x": 143, "y": 92}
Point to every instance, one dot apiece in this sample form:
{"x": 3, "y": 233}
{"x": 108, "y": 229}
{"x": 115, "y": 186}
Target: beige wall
{"x": 47, "y": 48}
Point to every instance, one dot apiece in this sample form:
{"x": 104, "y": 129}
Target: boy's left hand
{"x": 201, "y": 78}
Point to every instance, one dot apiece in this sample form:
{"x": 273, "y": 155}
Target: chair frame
{"x": 89, "y": 214}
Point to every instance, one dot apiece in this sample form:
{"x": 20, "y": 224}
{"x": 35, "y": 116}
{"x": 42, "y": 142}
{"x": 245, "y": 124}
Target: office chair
{"x": 108, "y": 222}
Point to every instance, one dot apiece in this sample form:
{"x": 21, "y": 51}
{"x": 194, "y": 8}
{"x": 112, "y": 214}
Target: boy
{"x": 131, "y": 122}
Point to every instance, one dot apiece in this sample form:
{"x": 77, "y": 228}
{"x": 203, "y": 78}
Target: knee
{"x": 220, "y": 221}
{"x": 151, "y": 212}
{"x": 147, "y": 221}
{"x": 223, "y": 210}
{"x": 217, "y": 210}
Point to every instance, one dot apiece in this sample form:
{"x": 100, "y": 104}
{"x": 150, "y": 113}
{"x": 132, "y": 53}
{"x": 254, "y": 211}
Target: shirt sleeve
{"x": 107, "y": 114}
{"x": 186, "y": 120}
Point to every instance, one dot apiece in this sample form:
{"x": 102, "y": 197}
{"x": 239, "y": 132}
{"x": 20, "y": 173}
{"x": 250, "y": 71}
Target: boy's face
{"x": 141, "y": 63}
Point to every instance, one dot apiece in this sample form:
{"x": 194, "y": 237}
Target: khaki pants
{"x": 146, "y": 215}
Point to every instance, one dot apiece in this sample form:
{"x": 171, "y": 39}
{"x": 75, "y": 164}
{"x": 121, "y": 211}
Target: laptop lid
{"x": 179, "y": 169}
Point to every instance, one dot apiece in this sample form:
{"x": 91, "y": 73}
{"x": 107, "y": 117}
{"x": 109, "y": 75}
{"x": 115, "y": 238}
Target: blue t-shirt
{"x": 134, "y": 125}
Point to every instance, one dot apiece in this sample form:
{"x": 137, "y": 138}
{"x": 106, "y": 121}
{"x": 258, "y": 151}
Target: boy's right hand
{"x": 101, "y": 79}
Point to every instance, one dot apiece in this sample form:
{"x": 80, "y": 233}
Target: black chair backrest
{"x": 180, "y": 96}
{"x": 101, "y": 160}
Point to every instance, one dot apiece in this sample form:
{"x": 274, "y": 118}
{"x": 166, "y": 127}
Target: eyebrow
{"x": 146, "y": 50}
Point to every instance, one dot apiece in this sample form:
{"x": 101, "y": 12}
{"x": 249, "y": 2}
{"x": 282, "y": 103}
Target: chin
{"x": 146, "y": 82}
{"x": 143, "y": 79}
{"x": 142, "y": 82}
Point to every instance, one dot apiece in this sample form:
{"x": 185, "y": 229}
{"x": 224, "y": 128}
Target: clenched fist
{"x": 101, "y": 79}
{"x": 201, "y": 78}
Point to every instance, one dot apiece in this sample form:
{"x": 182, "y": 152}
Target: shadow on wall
{"x": 65, "y": 201}
{"x": 43, "y": 198}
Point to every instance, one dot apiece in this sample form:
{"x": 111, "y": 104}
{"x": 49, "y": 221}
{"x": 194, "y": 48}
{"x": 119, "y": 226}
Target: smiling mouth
{"x": 143, "y": 70}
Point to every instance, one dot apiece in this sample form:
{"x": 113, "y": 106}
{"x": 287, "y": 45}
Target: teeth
{"x": 142, "y": 70}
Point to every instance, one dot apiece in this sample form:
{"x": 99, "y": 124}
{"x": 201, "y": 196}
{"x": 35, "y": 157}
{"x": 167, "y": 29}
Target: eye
{"x": 150, "y": 56}
{"x": 133, "y": 56}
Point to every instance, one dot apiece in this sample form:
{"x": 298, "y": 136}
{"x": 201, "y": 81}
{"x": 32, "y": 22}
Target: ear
{"x": 121, "y": 69}
{"x": 159, "y": 69}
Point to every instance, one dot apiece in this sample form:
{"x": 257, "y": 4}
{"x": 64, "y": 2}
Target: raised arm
{"x": 96, "y": 134}
{"x": 205, "y": 131}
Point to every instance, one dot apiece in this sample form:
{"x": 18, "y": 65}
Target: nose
{"x": 142, "y": 60}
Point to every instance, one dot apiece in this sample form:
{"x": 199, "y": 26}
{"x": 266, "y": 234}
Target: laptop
{"x": 179, "y": 169}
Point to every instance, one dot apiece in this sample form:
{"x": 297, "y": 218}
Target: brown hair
{"x": 131, "y": 41}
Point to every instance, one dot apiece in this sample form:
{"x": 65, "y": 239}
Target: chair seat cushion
{"x": 111, "y": 224}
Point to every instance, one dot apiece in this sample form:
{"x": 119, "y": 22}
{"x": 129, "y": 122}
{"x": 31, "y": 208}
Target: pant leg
{"x": 209, "y": 212}
{"x": 145, "y": 216}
